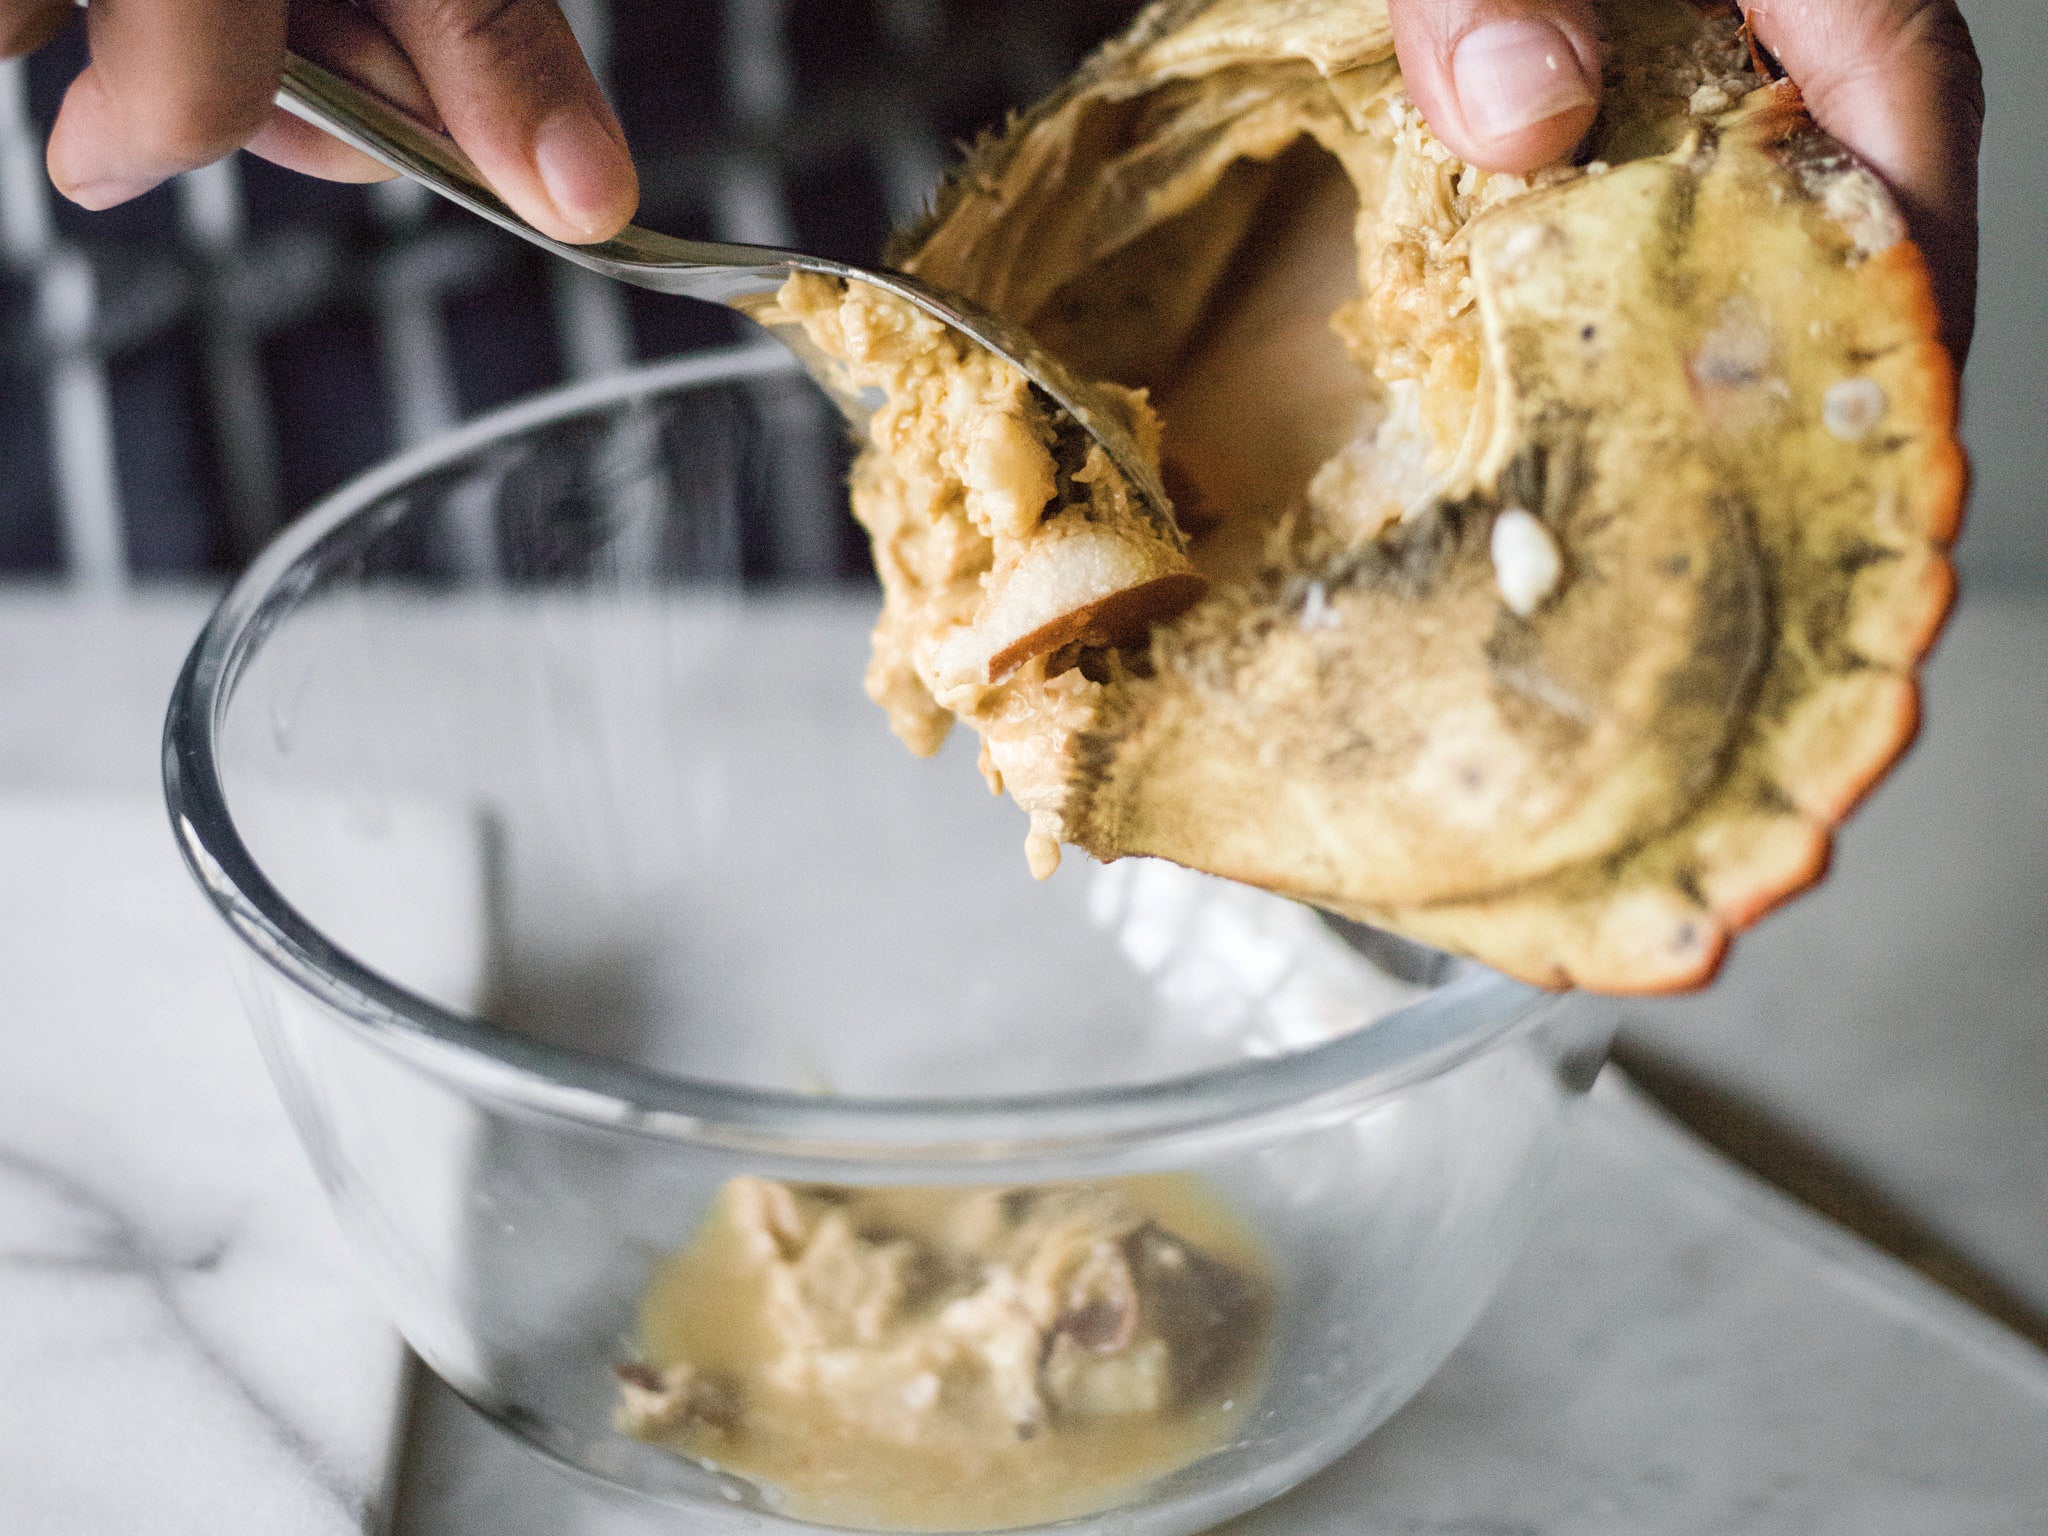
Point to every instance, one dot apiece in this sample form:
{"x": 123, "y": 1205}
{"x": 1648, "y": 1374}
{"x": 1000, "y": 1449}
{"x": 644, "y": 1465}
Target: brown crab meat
{"x": 1558, "y": 551}
{"x": 1004, "y": 532}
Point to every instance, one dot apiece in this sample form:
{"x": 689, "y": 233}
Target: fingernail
{"x": 1512, "y": 74}
{"x": 105, "y": 193}
{"x": 580, "y": 165}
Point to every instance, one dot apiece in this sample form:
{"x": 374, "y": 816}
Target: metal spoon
{"x": 744, "y": 277}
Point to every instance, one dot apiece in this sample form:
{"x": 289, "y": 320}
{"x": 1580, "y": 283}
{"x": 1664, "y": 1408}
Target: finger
{"x": 25, "y": 25}
{"x": 1898, "y": 82}
{"x": 341, "y": 37}
{"x": 516, "y": 94}
{"x": 1510, "y": 85}
{"x": 173, "y": 84}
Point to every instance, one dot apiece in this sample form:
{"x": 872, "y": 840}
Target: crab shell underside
{"x": 1714, "y": 383}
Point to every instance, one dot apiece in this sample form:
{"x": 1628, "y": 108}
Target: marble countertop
{"x": 1680, "y": 1351}
{"x": 184, "y": 1342}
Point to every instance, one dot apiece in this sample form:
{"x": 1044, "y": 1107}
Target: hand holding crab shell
{"x": 1511, "y": 85}
{"x": 1555, "y": 551}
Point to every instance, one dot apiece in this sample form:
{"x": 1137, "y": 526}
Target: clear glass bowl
{"x": 573, "y": 875}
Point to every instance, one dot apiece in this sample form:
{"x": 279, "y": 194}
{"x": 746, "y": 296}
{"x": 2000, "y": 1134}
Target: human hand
{"x": 1513, "y": 84}
{"x": 174, "y": 84}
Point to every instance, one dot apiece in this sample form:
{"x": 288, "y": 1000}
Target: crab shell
{"x": 1710, "y": 374}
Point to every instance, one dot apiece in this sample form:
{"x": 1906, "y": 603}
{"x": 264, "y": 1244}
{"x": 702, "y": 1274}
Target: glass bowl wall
{"x": 573, "y": 875}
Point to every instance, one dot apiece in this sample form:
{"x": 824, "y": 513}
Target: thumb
{"x": 1510, "y": 85}
{"x": 1899, "y": 83}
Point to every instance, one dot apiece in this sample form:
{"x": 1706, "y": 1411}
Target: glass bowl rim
{"x": 1425, "y": 1038}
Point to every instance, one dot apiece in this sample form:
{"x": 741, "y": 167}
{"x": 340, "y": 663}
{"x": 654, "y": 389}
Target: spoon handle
{"x": 393, "y": 137}
{"x": 744, "y": 277}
